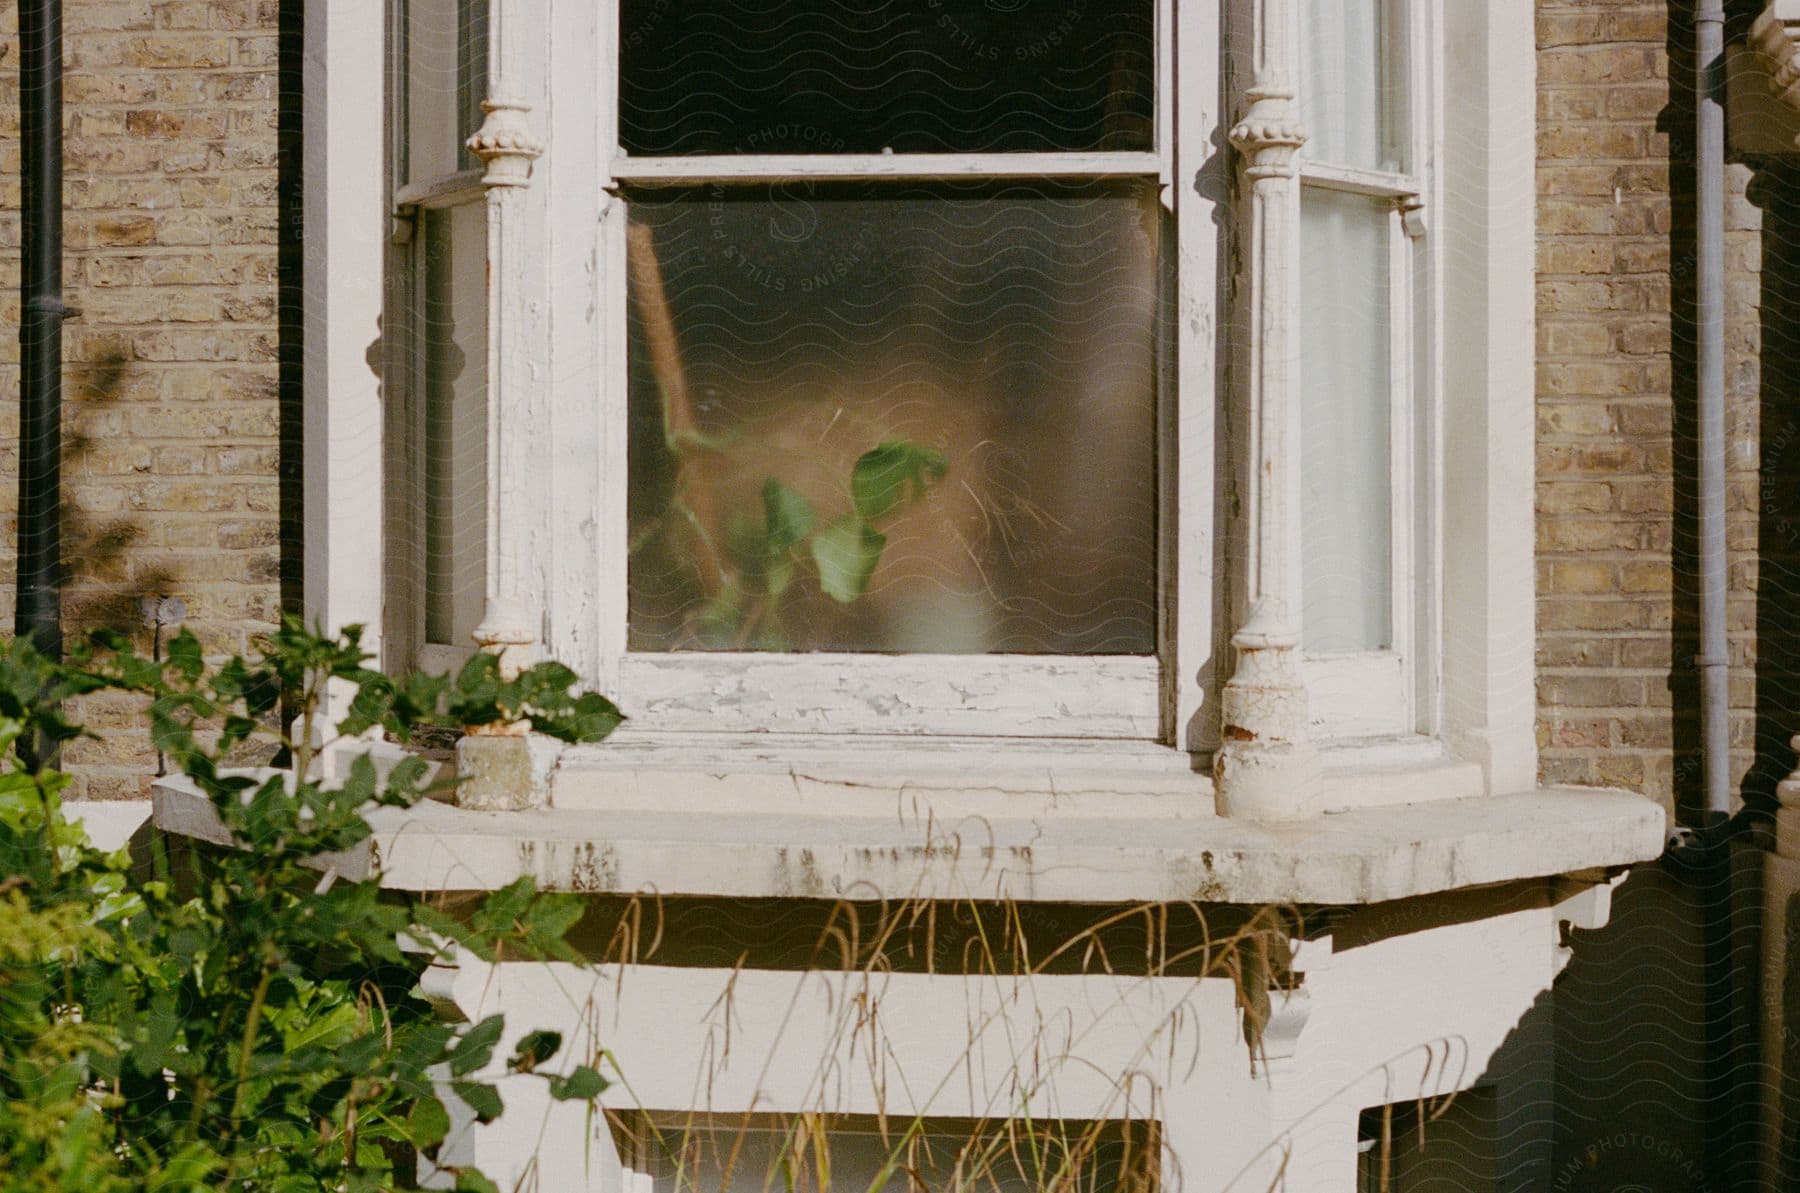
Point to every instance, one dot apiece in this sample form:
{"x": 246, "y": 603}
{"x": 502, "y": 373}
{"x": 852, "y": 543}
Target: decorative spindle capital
{"x": 505, "y": 142}
{"x": 1270, "y": 135}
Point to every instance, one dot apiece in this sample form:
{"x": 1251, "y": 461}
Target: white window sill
{"x": 1133, "y": 842}
{"x": 950, "y": 778}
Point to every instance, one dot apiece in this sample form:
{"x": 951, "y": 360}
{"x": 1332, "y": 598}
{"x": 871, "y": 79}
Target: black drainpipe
{"x": 38, "y": 612}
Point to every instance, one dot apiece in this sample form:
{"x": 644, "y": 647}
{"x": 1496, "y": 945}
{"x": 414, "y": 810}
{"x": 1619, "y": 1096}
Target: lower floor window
{"x": 765, "y": 1153}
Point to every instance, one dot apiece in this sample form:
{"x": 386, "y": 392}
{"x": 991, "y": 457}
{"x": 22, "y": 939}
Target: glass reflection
{"x": 894, "y": 418}
{"x": 869, "y": 76}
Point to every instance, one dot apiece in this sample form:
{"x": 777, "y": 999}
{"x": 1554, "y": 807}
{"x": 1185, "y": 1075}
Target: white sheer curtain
{"x": 1346, "y": 533}
{"x": 1352, "y": 97}
{"x": 1353, "y": 100}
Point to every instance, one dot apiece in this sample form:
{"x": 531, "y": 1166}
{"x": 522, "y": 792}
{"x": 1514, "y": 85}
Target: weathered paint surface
{"x": 1363, "y": 856}
{"x": 1414, "y": 1010}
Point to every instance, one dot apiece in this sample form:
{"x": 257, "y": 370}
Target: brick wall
{"x": 170, "y": 467}
{"x": 1617, "y": 609}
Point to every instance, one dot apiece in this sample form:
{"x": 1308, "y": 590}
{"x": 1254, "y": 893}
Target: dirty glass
{"x": 454, "y": 374}
{"x": 894, "y": 418}
{"x": 1346, "y": 417}
{"x": 1353, "y": 92}
{"x": 874, "y": 76}
{"x": 445, "y": 76}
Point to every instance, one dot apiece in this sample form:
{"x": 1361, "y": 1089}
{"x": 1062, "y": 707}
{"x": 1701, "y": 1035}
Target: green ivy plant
{"x": 223, "y": 1018}
{"x": 769, "y": 554}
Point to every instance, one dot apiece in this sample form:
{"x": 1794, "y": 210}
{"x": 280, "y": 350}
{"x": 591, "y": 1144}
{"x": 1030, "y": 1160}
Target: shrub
{"x": 227, "y": 1018}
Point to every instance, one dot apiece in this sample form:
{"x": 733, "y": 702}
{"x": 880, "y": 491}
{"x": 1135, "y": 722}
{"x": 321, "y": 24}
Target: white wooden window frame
{"x": 1483, "y": 620}
{"x": 1392, "y": 693}
{"x": 404, "y": 350}
{"x": 1148, "y": 698}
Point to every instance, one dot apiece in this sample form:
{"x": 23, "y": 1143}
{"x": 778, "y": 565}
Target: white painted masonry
{"x": 912, "y": 846}
{"x": 346, "y": 239}
{"x": 1168, "y": 1050}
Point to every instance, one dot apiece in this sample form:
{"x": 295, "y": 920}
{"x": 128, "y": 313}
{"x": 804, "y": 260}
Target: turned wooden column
{"x": 507, "y": 147}
{"x": 1266, "y": 767}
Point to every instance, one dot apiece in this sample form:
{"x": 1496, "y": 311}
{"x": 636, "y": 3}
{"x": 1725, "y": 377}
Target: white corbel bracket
{"x": 1585, "y": 902}
{"x": 1277, "y": 1041}
{"x": 1412, "y": 217}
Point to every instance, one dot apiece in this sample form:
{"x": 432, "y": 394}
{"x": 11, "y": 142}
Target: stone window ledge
{"x": 1363, "y": 855}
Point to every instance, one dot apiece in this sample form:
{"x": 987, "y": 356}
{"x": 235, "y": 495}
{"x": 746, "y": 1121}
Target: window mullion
{"x": 777, "y": 168}
{"x": 447, "y": 190}
{"x": 1356, "y": 180}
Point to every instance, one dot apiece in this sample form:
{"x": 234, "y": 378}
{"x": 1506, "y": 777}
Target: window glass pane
{"x": 946, "y": 394}
{"x": 1346, "y": 396}
{"x": 454, "y": 331}
{"x": 1353, "y": 90}
{"x": 446, "y": 80}
{"x": 471, "y": 75}
{"x": 864, "y": 76}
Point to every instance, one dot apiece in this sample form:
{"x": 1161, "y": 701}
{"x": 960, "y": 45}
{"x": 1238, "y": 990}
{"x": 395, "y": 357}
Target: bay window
{"x": 879, "y": 366}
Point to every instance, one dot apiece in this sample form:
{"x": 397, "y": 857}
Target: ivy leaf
{"x": 428, "y": 1123}
{"x": 359, "y": 1055}
{"x": 237, "y": 729}
{"x": 718, "y": 619}
{"x": 534, "y": 1048}
{"x": 185, "y": 658}
{"x": 329, "y": 1030}
{"x": 468, "y": 1180}
{"x": 478, "y": 689}
{"x": 476, "y": 1047}
{"x": 779, "y": 576}
{"x": 480, "y": 1097}
{"x": 593, "y": 719}
{"x": 404, "y": 781}
{"x": 583, "y": 1085}
{"x": 881, "y": 478}
{"x": 788, "y": 516}
{"x": 187, "y": 1169}
{"x": 846, "y": 553}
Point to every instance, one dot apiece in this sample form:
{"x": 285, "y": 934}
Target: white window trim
{"x": 346, "y": 225}
{"x": 1488, "y": 604}
{"x": 1053, "y": 697}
